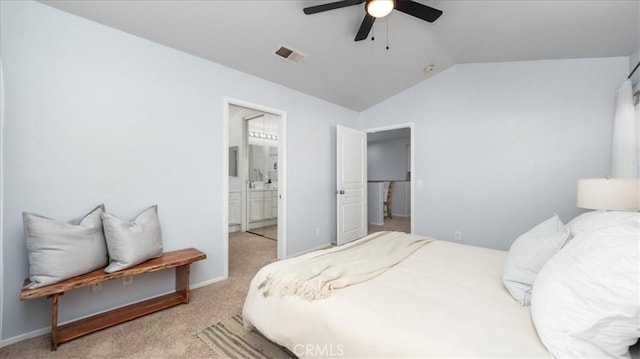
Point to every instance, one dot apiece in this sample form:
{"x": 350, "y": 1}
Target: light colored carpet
{"x": 270, "y": 232}
{"x": 170, "y": 333}
{"x": 229, "y": 338}
{"x": 400, "y": 224}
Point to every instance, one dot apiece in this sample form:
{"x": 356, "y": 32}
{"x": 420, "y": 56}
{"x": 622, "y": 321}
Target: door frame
{"x": 411, "y": 127}
{"x": 282, "y": 176}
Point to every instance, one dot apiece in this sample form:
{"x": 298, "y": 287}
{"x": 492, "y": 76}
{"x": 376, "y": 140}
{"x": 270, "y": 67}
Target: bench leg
{"x": 182, "y": 281}
{"x": 54, "y": 322}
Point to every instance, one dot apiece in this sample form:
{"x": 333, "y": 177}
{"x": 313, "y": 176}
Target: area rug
{"x": 230, "y": 340}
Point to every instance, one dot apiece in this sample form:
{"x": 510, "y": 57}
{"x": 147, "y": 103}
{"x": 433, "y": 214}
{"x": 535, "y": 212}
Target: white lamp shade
{"x": 614, "y": 194}
{"x": 379, "y": 8}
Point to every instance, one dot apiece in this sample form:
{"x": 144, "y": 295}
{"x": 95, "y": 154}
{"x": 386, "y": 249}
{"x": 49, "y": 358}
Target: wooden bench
{"x": 180, "y": 260}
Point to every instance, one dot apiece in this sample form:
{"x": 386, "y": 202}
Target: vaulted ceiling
{"x": 244, "y": 35}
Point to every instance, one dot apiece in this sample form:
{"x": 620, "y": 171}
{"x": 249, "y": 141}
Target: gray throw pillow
{"x": 529, "y": 253}
{"x": 132, "y": 242}
{"x": 58, "y": 250}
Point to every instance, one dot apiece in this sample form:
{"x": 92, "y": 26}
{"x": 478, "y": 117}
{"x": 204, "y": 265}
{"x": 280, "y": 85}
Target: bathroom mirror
{"x": 233, "y": 161}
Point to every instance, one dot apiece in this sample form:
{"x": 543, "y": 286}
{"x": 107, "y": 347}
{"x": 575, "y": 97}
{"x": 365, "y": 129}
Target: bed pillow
{"x": 529, "y": 253}
{"x": 584, "y": 302}
{"x": 59, "y": 250}
{"x": 598, "y": 219}
{"x": 132, "y": 242}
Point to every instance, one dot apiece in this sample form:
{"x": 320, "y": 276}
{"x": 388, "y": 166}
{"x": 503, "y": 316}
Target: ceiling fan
{"x": 379, "y": 8}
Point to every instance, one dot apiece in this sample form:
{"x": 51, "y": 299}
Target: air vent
{"x": 290, "y": 54}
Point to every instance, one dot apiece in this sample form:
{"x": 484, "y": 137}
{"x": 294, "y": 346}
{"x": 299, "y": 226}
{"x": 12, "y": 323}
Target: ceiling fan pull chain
{"x": 388, "y": 17}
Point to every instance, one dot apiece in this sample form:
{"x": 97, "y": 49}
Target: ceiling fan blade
{"x": 424, "y": 12}
{"x": 330, "y": 6}
{"x": 365, "y": 27}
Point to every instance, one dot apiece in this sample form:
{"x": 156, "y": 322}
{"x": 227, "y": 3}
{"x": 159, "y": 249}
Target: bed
{"x": 564, "y": 291}
{"x": 444, "y": 300}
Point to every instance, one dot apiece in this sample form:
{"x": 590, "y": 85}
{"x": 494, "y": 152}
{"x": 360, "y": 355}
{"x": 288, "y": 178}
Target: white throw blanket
{"x": 316, "y": 276}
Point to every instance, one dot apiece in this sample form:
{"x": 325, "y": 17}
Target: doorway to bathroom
{"x": 255, "y": 174}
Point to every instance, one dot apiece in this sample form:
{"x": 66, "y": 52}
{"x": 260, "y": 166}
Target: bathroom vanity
{"x": 263, "y": 207}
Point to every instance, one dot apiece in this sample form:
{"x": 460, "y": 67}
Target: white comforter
{"x": 445, "y": 300}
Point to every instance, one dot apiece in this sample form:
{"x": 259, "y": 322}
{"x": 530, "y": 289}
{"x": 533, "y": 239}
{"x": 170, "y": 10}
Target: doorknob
{"x": 340, "y": 192}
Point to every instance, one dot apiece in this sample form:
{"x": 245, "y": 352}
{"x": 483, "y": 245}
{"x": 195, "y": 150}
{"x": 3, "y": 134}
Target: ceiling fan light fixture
{"x": 379, "y": 8}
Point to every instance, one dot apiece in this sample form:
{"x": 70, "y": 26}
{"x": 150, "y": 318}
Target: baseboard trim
{"x": 323, "y": 246}
{"x": 25, "y": 336}
{"x": 206, "y": 282}
{"x": 43, "y": 331}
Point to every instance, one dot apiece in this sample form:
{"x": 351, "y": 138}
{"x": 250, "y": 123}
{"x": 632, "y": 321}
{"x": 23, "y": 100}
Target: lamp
{"x": 379, "y": 8}
{"x": 615, "y": 194}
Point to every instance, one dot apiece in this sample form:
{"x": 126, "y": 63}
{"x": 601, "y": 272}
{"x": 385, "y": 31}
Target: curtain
{"x": 624, "y": 152}
{"x": 1, "y": 190}
{"x": 637, "y": 111}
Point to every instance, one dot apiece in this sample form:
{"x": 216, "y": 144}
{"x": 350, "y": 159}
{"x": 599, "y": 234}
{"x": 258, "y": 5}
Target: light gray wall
{"x": 95, "y": 116}
{"x": 387, "y": 160}
{"x": 633, "y": 61}
{"x": 375, "y": 202}
{"x": 401, "y": 200}
{"x": 500, "y": 146}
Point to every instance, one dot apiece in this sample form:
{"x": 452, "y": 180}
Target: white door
{"x": 351, "y": 190}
